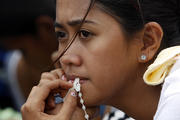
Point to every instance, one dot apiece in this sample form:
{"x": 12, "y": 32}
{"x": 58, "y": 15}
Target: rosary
{"x": 77, "y": 87}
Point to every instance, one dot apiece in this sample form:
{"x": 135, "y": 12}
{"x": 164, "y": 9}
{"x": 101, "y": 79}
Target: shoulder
{"x": 171, "y": 83}
{"x": 169, "y": 105}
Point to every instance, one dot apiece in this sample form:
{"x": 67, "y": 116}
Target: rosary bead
{"x": 86, "y": 116}
{"x": 81, "y": 101}
{"x": 80, "y": 94}
{"x": 83, "y": 107}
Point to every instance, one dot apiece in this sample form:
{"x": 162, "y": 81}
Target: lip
{"x": 73, "y": 77}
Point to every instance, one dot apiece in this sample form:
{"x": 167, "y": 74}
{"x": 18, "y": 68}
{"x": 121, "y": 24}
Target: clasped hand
{"x": 40, "y": 103}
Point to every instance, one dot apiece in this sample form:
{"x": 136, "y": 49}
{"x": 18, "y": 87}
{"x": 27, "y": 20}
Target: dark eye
{"x": 61, "y": 35}
{"x": 84, "y": 34}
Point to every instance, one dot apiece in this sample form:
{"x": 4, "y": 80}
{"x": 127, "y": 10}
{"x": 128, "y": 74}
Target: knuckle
{"x": 25, "y": 108}
{"x": 43, "y": 75}
{"x": 22, "y": 108}
{"x": 34, "y": 88}
{"x": 45, "y": 84}
{"x": 53, "y": 71}
{"x": 42, "y": 82}
{"x": 60, "y": 70}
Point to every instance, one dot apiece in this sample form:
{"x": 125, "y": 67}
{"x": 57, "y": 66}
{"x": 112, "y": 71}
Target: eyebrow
{"x": 74, "y": 23}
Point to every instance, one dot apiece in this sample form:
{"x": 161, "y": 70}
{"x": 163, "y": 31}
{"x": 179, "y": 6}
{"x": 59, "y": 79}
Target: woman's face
{"x": 100, "y": 56}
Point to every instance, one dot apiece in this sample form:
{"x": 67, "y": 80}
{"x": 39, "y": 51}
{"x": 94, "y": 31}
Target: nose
{"x": 72, "y": 56}
{"x": 70, "y": 60}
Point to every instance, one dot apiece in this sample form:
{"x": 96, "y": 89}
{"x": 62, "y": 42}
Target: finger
{"x": 58, "y": 73}
{"x": 69, "y": 105}
{"x": 39, "y": 94}
{"x": 55, "y": 97}
{"x": 48, "y": 75}
{"x": 55, "y": 111}
{"x": 46, "y": 86}
{"x": 50, "y": 104}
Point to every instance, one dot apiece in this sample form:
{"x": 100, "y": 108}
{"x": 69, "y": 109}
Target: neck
{"x": 138, "y": 100}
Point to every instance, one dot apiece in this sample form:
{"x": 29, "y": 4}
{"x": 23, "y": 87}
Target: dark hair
{"x": 132, "y": 17}
{"x": 18, "y": 17}
{"x": 126, "y": 12}
{"x": 167, "y": 14}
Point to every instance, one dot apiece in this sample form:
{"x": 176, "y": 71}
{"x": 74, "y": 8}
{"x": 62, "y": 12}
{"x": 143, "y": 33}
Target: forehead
{"x": 71, "y": 9}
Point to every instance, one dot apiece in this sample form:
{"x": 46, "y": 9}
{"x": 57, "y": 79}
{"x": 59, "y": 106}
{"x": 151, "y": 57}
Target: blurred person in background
{"x": 3, "y": 86}
{"x": 26, "y": 28}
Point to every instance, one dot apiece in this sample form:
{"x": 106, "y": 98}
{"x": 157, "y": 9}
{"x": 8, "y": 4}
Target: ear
{"x": 151, "y": 41}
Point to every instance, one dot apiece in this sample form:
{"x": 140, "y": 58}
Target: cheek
{"x": 107, "y": 69}
{"x": 107, "y": 79}
{"x": 109, "y": 57}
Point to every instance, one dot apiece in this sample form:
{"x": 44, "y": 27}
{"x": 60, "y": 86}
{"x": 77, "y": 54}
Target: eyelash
{"x": 61, "y": 36}
{"x": 82, "y": 34}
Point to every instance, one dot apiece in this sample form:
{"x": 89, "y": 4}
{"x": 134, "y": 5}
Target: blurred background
{"x": 27, "y": 41}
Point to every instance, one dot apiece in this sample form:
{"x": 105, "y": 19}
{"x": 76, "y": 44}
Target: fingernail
{"x": 73, "y": 93}
{"x": 70, "y": 81}
{"x": 71, "y": 90}
{"x": 63, "y": 77}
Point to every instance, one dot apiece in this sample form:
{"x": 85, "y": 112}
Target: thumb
{"x": 69, "y": 105}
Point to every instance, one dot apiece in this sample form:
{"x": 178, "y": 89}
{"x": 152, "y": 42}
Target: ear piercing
{"x": 143, "y": 57}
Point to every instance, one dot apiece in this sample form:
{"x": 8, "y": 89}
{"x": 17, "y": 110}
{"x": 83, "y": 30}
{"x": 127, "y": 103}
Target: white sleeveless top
{"x": 169, "y": 103}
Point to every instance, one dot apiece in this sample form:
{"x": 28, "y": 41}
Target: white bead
{"x": 86, "y": 116}
{"x": 83, "y": 107}
{"x": 81, "y": 101}
{"x": 80, "y": 94}
{"x": 77, "y": 85}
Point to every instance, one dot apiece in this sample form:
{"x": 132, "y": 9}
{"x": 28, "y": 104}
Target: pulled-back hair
{"x": 18, "y": 17}
{"x": 132, "y": 14}
{"x": 167, "y": 14}
{"x": 126, "y": 12}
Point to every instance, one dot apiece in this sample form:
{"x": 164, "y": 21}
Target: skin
{"x": 108, "y": 60}
{"x": 97, "y": 50}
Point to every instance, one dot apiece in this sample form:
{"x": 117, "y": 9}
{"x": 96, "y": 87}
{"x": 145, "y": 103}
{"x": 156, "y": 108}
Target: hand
{"x": 34, "y": 107}
{"x": 78, "y": 114}
{"x": 53, "y": 109}
{"x": 36, "y": 103}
